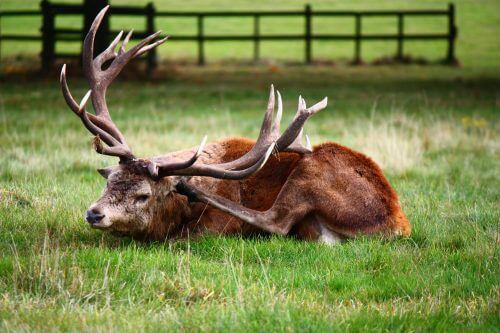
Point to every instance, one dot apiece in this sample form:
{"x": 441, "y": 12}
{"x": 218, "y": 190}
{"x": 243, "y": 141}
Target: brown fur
{"x": 335, "y": 186}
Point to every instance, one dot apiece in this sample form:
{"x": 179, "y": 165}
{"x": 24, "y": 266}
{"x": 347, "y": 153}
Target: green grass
{"x": 478, "y": 44}
{"x": 433, "y": 130}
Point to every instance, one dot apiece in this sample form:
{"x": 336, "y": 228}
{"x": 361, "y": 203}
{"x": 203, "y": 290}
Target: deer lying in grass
{"x": 232, "y": 186}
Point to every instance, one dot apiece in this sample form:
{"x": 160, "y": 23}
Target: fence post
{"x": 48, "y": 36}
{"x": 201, "y": 51}
{"x": 399, "y": 55}
{"x": 308, "y": 28}
{"x": 0, "y": 38}
{"x": 150, "y": 29}
{"x": 357, "y": 40}
{"x": 256, "y": 38}
{"x": 452, "y": 35}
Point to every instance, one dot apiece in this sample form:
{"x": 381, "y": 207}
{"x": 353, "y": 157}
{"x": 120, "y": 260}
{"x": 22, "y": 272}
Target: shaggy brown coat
{"x": 336, "y": 186}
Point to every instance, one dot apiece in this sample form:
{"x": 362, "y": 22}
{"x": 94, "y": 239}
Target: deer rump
{"x": 274, "y": 185}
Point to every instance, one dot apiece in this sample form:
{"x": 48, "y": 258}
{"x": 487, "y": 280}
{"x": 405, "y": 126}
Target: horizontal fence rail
{"x": 50, "y": 34}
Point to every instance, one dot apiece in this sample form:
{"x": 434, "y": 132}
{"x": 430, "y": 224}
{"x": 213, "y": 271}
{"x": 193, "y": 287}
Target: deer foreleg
{"x": 279, "y": 219}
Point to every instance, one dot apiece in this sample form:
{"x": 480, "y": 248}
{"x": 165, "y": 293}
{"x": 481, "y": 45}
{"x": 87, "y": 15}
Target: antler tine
{"x": 296, "y": 145}
{"x": 269, "y": 130}
{"x": 277, "y": 119}
{"x": 109, "y": 53}
{"x": 73, "y": 105}
{"x": 151, "y": 46}
{"x": 122, "y": 59}
{"x": 125, "y": 41}
{"x": 159, "y": 170}
{"x": 292, "y": 136}
{"x": 268, "y": 116}
{"x": 308, "y": 143}
{"x": 88, "y": 46}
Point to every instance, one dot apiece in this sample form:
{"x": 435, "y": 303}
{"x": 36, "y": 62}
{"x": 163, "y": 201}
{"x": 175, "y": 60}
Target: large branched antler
{"x": 101, "y": 124}
{"x": 268, "y": 140}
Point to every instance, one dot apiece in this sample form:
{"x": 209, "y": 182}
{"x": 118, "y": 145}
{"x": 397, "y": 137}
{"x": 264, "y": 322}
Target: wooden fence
{"x": 50, "y": 34}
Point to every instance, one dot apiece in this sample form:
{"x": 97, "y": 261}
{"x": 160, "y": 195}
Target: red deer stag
{"x": 232, "y": 186}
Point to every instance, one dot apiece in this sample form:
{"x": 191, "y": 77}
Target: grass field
{"x": 437, "y": 139}
{"x": 433, "y": 129}
{"x": 478, "y": 44}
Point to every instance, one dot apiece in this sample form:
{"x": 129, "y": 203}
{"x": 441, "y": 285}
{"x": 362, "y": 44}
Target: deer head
{"x": 142, "y": 192}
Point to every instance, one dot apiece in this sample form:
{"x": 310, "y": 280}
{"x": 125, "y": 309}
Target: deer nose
{"x": 94, "y": 216}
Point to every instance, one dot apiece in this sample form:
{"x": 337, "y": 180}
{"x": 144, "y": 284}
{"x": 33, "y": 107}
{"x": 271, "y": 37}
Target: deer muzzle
{"x": 94, "y": 217}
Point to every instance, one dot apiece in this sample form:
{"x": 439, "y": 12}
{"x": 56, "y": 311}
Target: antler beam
{"x": 101, "y": 124}
{"x": 269, "y": 137}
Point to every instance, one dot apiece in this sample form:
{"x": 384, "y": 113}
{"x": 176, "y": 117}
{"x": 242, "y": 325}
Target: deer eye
{"x": 142, "y": 198}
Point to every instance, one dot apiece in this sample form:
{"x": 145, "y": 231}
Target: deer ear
{"x": 105, "y": 172}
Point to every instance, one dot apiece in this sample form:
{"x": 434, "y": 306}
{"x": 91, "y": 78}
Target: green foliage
{"x": 437, "y": 139}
